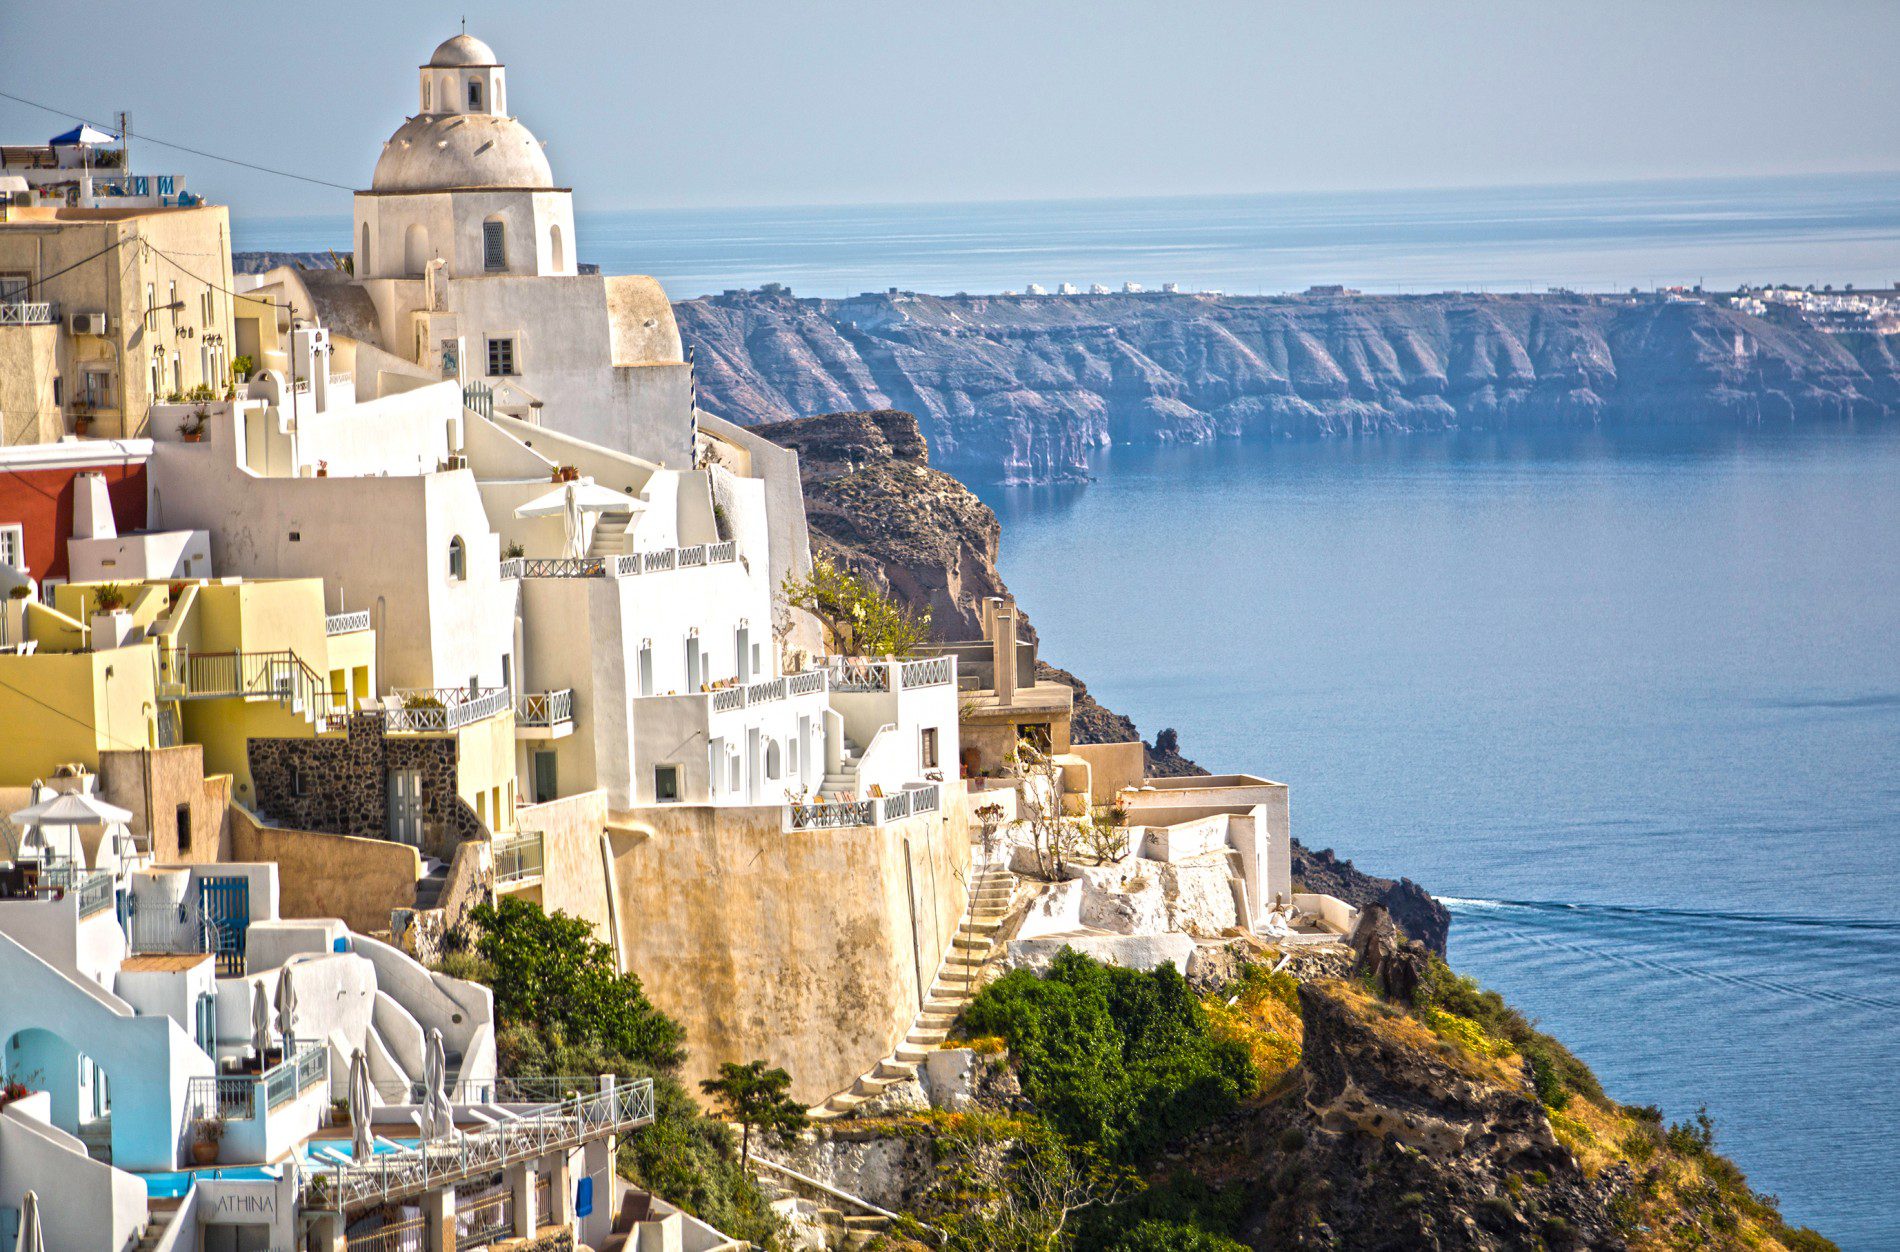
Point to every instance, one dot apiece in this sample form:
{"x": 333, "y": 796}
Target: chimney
{"x": 1003, "y": 651}
{"x": 986, "y": 611}
{"x": 92, "y": 508}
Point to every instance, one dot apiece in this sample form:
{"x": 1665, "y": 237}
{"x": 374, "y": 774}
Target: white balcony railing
{"x": 544, "y": 708}
{"x": 344, "y": 623}
{"x": 857, "y": 673}
{"x": 876, "y": 811}
{"x": 624, "y": 565}
{"x": 519, "y": 859}
{"x": 769, "y": 691}
{"x": 435, "y": 710}
{"x": 29, "y": 313}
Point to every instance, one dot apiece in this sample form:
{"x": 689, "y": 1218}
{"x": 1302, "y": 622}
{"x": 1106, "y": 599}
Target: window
{"x": 13, "y": 547}
{"x": 557, "y": 255}
{"x": 772, "y": 766}
{"x": 299, "y": 785}
{"x": 96, "y": 389}
{"x": 14, "y": 287}
{"x": 184, "y": 828}
{"x": 59, "y": 391}
{"x": 425, "y": 95}
{"x": 171, "y": 300}
{"x": 928, "y": 750}
{"x": 474, "y": 93}
{"x": 666, "y": 784}
{"x": 458, "y": 559}
{"x": 494, "y": 245}
{"x": 546, "y": 777}
{"x": 151, "y": 303}
{"x": 501, "y": 356}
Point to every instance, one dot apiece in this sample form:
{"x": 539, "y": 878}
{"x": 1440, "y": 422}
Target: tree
{"x": 1055, "y": 837}
{"x": 753, "y": 1095}
{"x": 1013, "y": 1185}
{"x": 859, "y": 619}
{"x": 554, "y": 979}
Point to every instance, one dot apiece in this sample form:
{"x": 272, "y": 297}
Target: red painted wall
{"x": 42, "y": 501}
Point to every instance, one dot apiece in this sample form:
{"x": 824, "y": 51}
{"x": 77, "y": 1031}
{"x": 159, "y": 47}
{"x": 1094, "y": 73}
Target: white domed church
{"x": 464, "y": 249}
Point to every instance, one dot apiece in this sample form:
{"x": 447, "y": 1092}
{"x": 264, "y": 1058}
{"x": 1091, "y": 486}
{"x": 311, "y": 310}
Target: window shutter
{"x": 494, "y": 257}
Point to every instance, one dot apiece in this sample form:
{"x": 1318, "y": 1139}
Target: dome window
{"x": 475, "y": 95}
{"x": 494, "y": 245}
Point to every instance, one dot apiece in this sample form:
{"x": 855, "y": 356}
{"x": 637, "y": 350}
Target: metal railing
{"x": 439, "y": 709}
{"x": 280, "y": 675}
{"x": 520, "y": 858}
{"x": 94, "y": 888}
{"x": 806, "y": 683}
{"x": 768, "y": 691}
{"x": 931, "y": 672}
{"x": 431, "y": 1166}
{"x": 29, "y": 313}
{"x": 344, "y": 623}
{"x": 236, "y": 1098}
{"x": 855, "y": 673}
{"x": 544, "y": 708}
{"x": 394, "y": 1236}
{"x": 908, "y": 803}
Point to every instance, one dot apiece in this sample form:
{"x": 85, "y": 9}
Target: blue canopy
{"x": 81, "y": 134}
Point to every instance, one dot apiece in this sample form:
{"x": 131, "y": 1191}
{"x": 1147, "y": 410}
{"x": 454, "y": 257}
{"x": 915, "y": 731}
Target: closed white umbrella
{"x": 286, "y": 1008}
{"x": 360, "y": 1145}
{"x": 260, "y": 1023}
{"x": 573, "y": 525}
{"x": 438, "y": 1118}
{"x": 32, "y": 1238}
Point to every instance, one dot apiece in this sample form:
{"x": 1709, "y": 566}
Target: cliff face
{"x": 1021, "y": 388}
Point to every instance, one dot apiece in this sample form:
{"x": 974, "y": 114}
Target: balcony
{"x": 544, "y": 714}
{"x": 625, "y": 565}
{"x": 875, "y": 811}
{"x": 29, "y": 313}
{"x": 770, "y": 691}
{"x": 438, "y": 710}
{"x": 858, "y": 674}
{"x": 519, "y": 861}
{"x": 345, "y": 623}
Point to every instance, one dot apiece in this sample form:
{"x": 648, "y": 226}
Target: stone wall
{"x": 804, "y": 948}
{"x": 345, "y": 791}
{"x": 323, "y": 875}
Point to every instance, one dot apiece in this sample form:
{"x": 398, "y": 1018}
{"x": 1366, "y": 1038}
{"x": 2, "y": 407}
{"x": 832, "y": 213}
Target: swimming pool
{"x": 173, "y": 1186}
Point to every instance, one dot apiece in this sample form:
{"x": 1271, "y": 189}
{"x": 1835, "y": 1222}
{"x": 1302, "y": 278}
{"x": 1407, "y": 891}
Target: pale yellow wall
{"x": 60, "y": 707}
{"x": 485, "y": 753}
{"x": 803, "y": 948}
{"x": 574, "y": 862}
{"x": 29, "y": 361}
{"x": 322, "y": 875}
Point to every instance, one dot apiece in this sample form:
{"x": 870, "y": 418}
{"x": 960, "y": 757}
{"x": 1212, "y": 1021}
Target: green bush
{"x": 1173, "y": 1237}
{"x": 1555, "y": 1071}
{"x": 1113, "y": 1057}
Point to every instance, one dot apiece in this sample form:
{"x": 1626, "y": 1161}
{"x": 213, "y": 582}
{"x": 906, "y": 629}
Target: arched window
{"x": 771, "y": 759}
{"x": 425, "y": 95}
{"x": 474, "y": 95}
{"x": 362, "y": 255}
{"x": 556, "y": 252}
{"x": 415, "y": 249}
{"x": 458, "y": 559}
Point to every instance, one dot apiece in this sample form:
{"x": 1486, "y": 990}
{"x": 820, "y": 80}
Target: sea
{"x": 1628, "y": 699}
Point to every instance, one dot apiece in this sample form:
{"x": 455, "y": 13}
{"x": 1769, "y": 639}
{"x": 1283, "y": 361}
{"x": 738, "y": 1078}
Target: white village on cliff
{"x": 339, "y": 603}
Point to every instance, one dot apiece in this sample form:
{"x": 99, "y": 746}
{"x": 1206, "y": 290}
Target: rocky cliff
{"x": 1023, "y": 388}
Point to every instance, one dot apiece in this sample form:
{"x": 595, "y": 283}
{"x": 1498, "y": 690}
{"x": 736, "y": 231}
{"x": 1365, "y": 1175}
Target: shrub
{"x": 1555, "y": 1071}
{"x": 1114, "y": 1057}
{"x": 1154, "y": 1236}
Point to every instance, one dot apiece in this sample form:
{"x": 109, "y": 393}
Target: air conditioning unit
{"x": 89, "y": 323}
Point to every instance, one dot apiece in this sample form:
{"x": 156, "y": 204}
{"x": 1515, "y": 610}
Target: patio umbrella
{"x": 573, "y": 526}
{"x": 67, "y": 810}
{"x": 589, "y": 495}
{"x": 360, "y": 1145}
{"x": 260, "y": 1023}
{"x": 438, "y": 1119}
{"x": 286, "y": 1007}
{"x": 32, "y": 1238}
{"x": 81, "y": 134}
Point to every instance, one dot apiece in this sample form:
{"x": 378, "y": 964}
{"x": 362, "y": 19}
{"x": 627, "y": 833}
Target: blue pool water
{"x": 1630, "y": 700}
{"x": 172, "y": 1186}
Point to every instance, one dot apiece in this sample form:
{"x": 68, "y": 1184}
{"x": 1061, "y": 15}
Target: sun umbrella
{"x": 81, "y": 134}
{"x": 32, "y": 1239}
{"x": 360, "y": 1145}
{"x": 438, "y": 1118}
{"x": 260, "y": 1023}
{"x": 588, "y": 494}
{"x": 573, "y": 526}
{"x": 286, "y": 1008}
{"x": 68, "y": 810}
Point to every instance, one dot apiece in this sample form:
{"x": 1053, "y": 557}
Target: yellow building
{"x": 105, "y": 311}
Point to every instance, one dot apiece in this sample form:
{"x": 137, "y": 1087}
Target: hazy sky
{"x": 820, "y": 101}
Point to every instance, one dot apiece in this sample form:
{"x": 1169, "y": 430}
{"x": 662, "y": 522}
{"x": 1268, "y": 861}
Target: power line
{"x": 235, "y": 295}
{"x": 38, "y": 282}
{"x": 166, "y": 143}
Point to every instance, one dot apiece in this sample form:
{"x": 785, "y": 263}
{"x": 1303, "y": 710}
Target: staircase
{"x": 158, "y": 1222}
{"x": 430, "y": 886}
{"x": 844, "y": 1230}
{"x": 97, "y": 1136}
{"x": 992, "y": 888}
{"x": 610, "y": 533}
{"x": 845, "y": 777}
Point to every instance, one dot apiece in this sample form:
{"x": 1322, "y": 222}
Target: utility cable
{"x": 166, "y": 143}
{"x": 120, "y": 243}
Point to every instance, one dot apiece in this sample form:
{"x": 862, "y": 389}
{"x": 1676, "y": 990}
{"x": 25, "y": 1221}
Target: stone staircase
{"x": 842, "y": 1230}
{"x": 992, "y": 888}
{"x": 610, "y": 533}
{"x": 158, "y": 1222}
{"x": 97, "y": 1136}
{"x": 430, "y": 886}
{"x": 845, "y": 777}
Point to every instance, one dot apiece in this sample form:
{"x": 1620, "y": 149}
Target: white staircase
{"x": 845, "y": 777}
{"x": 992, "y": 890}
{"x": 610, "y": 533}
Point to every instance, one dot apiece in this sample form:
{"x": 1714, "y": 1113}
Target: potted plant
{"x": 109, "y": 597}
{"x": 193, "y": 427}
{"x": 241, "y": 367}
{"x": 323, "y": 469}
{"x": 207, "y": 1133}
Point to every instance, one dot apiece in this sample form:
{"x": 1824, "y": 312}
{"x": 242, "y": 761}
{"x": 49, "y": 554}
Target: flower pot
{"x": 196, "y": 438}
{"x": 204, "y": 1152}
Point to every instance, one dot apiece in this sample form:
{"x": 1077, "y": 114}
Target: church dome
{"x": 444, "y": 151}
{"x": 462, "y": 50}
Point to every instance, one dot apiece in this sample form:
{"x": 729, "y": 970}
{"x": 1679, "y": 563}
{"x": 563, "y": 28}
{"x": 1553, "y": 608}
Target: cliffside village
{"x": 334, "y": 602}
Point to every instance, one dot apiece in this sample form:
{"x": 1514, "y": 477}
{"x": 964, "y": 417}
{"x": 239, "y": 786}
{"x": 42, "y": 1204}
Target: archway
{"x": 415, "y": 249}
{"x": 557, "y": 252}
{"x": 41, "y": 1060}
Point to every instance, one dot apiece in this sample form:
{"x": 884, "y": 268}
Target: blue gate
{"x": 225, "y": 906}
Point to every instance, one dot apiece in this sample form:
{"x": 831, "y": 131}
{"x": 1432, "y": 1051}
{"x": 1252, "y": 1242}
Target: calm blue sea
{"x": 1834, "y": 229}
{"x": 1631, "y": 700}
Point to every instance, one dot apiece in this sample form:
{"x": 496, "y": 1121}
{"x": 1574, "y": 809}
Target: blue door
{"x": 225, "y": 906}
